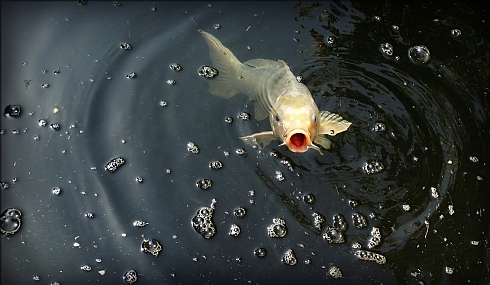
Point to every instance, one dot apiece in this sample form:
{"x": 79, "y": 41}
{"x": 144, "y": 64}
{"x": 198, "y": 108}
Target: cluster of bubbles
{"x": 12, "y": 111}
{"x": 152, "y": 246}
{"x": 379, "y": 127}
{"x": 318, "y": 220}
{"x": 336, "y": 233}
{"x": 277, "y": 229}
{"x": 229, "y": 120}
{"x": 244, "y": 116}
{"x": 204, "y": 184}
{"x": 175, "y": 67}
{"x": 208, "y": 71}
{"x": 192, "y": 148}
{"x": 114, "y": 164}
{"x": 289, "y": 258}
{"x": 335, "y": 272}
{"x": 130, "y": 276}
{"x": 375, "y": 238}
{"x": 10, "y": 221}
{"x": 139, "y": 223}
{"x": 131, "y": 75}
{"x": 216, "y": 165}
{"x": 126, "y": 46}
{"x": 240, "y": 212}
{"x": 370, "y": 256}
{"x": 202, "y": 221}
{"x": 373, "y": 166}
{"x": 359, "y": 220}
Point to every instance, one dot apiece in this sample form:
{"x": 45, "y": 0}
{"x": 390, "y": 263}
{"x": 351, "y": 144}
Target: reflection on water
{"x": 91, "y": 89}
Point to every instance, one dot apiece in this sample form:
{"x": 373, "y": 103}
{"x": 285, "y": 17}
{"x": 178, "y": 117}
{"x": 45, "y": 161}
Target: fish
{"x": 276, "y": 93}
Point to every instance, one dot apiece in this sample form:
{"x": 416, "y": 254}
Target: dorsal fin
{"x": 260, "y": 62}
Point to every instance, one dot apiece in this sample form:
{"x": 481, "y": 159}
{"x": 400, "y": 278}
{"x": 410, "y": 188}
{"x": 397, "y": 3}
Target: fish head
{"x": 296, "y": 127}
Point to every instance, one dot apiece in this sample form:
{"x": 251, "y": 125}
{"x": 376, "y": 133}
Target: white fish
{"x": 275, "y": 92}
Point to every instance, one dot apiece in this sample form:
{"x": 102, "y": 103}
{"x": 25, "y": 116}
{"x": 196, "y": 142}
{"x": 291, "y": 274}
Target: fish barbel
{"x": 275, "y": 92}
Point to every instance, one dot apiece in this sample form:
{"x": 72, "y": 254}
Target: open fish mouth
{"x": 298, "y": 140}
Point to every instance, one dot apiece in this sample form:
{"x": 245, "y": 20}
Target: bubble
{"x": 240, "y": 151}
{"x": 279, "y": 175}
{"x": 175, "y": 67}
{"x": 89, "y": 215}
{"x": 139, "y": 179}
{"x": 395, "y": 28}
{"x": 309, "y": 198}
{"x": 299, "y": 78}
{"x": 204, "y": 184}
{"x": 4, "y": 185}
{"x": 335, "y": 272}
{"x": 114, "y": 164}
{"x": 152, "y": 246}
{"x": 260, "y": 252}
{"x": 163, "y": 103}
{"x": 240, "y": 212}
{"x": 192, "y": 148}
{"x": 202, "y": 221}
{"x": 386, "y": 48}
{"x": 12, "y": 111}
{"x": 208, "y": 71}
{"x": 307, "y": 262}
{"x": 455, "y": 33}
{"x": 330, "y": 39}
{"x": 55, "y": 126}
{"x": 234, "y": 230}
{"x": 377, "y": 18}
{"x": 216, "y": 165}
{"x": 10, "y": 221}
{"x": 217, "y": 26}
{"x": 171, "y": 82}
{"x": 379, "y": 127}
{"x": 244, "y": 116}
{"x": 289, "y": 258}
{"x": 296, "y": 40}
{"x": 318, "y": 220}
{"x": 126, "y": 46}
{"x": 45, "y": 85}
{"x": 278, "y": 228}
{"x": 130, "y": 276}
{"x": 333, "y": 235}
{"x": 229, "y": 120}
{"x": 339, "y": 223}
{"x": 359, "y": 220}
{"x": 86, "y": 267}
{"x": 56, "y": 190}
{"x": 57, "y": 71}
{"x": 373, "y": 166}
{"x": 154, "y": 9}
{"x": 419, "y": 54}
{"x": 42, "y": 122}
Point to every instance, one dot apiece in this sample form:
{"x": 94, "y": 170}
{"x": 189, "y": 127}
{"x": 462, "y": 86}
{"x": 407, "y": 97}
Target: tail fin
{"x": 226, "y": 63}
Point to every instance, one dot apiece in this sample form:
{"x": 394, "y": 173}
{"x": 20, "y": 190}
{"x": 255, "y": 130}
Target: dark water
{"x": 421, "y": 128}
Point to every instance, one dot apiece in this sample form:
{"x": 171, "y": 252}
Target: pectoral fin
{"x": 332, "y": 124}
{"x": 261, "y": 139}
{"x": 323, "y": 141}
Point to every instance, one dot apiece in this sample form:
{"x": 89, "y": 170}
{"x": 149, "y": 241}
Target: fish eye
{"x": 314, "y": 117}
{"x": 277, "y": 118}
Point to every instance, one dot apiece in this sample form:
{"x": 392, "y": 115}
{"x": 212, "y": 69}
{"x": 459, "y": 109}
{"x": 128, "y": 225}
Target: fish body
{"x": 275, "y": 92}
